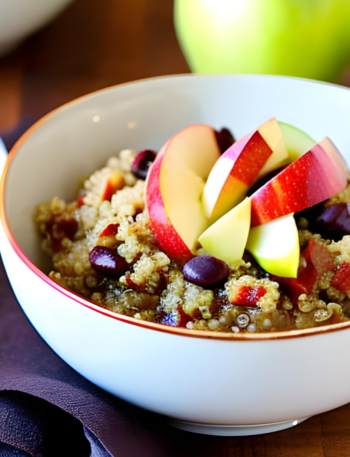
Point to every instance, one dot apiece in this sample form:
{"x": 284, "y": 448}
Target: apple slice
{"x": 297, "y": 142}
{"x": 333, "y": 153}
{"x": 238, "y": 168}
{"x": 174, "y": 186}
{"x": 314, "y": 177}
{"x": 272, "y": 134}
{"x": 275, "y": 246}
{"x": 227, "y": 237}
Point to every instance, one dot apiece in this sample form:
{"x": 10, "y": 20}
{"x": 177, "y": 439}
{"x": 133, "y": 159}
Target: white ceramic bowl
{"x": 207, "y": 382}
{"x": 19, "y": 18}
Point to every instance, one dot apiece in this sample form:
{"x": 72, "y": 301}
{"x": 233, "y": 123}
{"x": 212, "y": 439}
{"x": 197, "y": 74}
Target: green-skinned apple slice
{"x": 297, "y": 142}
{"x": 275, "y": 246}
{"x": 227, "y": 237}
{"x": 273, "y": 136}
{"x": 237, "y": 169}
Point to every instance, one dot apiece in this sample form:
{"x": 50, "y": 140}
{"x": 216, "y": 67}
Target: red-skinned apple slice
{"x": 254, "y": 155}
{"x": 314, "y": 177}
{"x": 174, "y": 186}
{"x": 333, "y": 153}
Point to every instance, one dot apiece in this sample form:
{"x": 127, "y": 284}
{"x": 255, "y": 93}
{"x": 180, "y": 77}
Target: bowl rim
{"x": 179, "y": 331}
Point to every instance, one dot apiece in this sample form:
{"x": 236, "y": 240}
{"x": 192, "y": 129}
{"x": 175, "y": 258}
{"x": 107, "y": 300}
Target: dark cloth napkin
{"x": 49, "y": 410}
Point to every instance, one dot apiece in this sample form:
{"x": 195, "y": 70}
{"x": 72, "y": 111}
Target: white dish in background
{"x": 227, "y": 384}
{"x": 19, "y": 18}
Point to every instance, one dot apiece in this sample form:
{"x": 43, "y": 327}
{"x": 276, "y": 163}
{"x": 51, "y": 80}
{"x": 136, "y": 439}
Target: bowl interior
{"x": 77, "y": 139}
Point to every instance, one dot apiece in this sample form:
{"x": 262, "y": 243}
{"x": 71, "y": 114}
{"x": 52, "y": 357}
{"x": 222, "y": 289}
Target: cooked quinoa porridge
{"x": 105, "y": 247}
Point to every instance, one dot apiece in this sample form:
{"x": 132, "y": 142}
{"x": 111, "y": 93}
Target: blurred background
{"x": 90, "y": 45}
{"x": 93, "y": 44}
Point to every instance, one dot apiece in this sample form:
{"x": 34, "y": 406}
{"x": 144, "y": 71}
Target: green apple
{"x": 307, "y": 38}
{"x": 227, "y": 237}
{"x": 297, "y": 142}
{"x": 275, "y": 246}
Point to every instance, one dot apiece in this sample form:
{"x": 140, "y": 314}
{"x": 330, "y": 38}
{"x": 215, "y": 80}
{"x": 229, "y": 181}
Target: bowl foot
{"x": 233, "y": 430}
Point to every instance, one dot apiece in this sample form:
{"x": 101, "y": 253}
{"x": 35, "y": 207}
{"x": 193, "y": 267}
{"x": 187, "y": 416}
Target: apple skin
{"x": 313, "y": 178}
{"x": 297, "y": 142}
{"x": 333, "y": 153}
{"x": 231, "y": 177}
{"x": 254, "y": 155}
{"x": 275, "y": 246}
{"x": 174, "y": 184}
{"x": 162, "y": 228}
{"x": 284, "y": 37}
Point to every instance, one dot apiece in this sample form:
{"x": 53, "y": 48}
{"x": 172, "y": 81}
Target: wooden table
{"x": 95, "y": 44}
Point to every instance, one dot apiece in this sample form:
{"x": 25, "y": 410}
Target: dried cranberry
{"x": 69, "y": 227}
{"x": 142, "y": 163}
{"x": 311, "y": 214}
{"x": 206, "y": 271}
{"x": 334, "y": 221}
{"x": 60, "y": 229}
{"x": 110, "y": 230}
{"x": 224, "y": 138}
{"x": 107, "y": 261}
{"x": 341, "y": 279}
